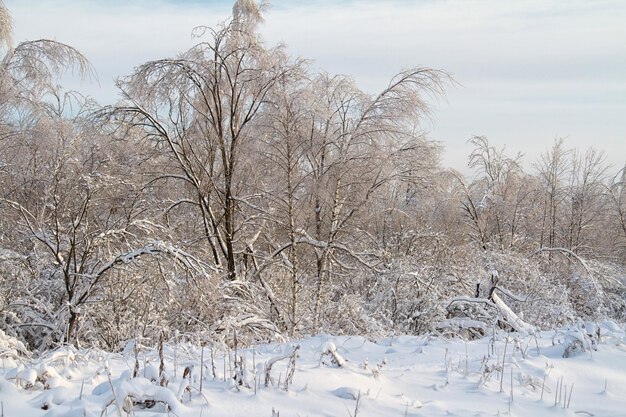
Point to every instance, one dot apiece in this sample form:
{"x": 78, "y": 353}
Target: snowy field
{"x": 401, "y": 376}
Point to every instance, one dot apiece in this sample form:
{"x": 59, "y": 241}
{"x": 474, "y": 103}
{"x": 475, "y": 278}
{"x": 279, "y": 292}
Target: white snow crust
{"x": 564, "y": 372}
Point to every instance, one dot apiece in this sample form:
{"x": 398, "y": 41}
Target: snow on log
{"x": 511, "y": 318}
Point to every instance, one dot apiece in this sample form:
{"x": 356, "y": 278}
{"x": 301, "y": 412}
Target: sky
{"x": 527, "y": 72}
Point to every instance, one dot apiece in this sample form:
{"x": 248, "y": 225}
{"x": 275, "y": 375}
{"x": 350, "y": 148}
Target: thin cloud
{"x": 529, "y": 70}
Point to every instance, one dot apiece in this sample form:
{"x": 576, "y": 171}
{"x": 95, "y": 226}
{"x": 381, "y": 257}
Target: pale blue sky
{"x": 529, "y": 71}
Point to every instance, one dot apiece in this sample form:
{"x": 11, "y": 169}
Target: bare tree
{"x": 588, "y": 174}
{"x": 494, "y": 202}
{"x": 59, "y": 214}
{"x": 617, "y": 202}
{"x": 552, "y": 168}
{"x": 28, "y": 69}
{"x": 74, "y": 203}
{"x": 200, "y": 108}
{"x": 354, "y": 142}
{"x": 285, "y": 145}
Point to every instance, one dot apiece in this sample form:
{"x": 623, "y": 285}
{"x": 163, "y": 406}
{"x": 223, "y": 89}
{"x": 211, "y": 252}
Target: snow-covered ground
{"x": 400, "y": 376}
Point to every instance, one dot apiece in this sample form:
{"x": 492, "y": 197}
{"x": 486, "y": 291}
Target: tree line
{"x": 232, "y": 188}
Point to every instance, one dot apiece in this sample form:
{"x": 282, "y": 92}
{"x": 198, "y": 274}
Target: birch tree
{"x": 200, "y": 109}
{"x": 28, "y": 69}
{"x": 552, "y": 168}
{"x": 498, "y": 197}
{"x": 354, "y": 141}
{"x": 616, "y": 190}
{"x": 287, "y": 127}
{"x": 586, "y": 189}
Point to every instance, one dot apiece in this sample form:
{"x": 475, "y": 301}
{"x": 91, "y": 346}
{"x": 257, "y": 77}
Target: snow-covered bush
{"x": 348, "y": 314}
{"x": 11, "y": 347}
{"x": 421, "y": 300}
{"x": 538, "y": 298}
{"x": 593, "y": 289}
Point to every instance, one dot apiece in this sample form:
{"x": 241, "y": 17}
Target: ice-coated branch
{"x": 272, "y": 361}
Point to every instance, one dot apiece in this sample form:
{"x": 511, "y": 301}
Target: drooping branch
{"x": 567, "y": 252}
{"x": 33, "y": 64}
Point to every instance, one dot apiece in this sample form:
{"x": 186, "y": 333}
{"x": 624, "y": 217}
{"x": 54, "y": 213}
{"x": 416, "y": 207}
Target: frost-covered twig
{"x": 272, "y": 361}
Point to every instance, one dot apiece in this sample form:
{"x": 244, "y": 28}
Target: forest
{"x": 234, "y": 193}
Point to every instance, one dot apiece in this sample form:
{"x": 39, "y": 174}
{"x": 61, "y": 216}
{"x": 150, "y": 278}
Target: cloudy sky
{"x": 528, "y": 71}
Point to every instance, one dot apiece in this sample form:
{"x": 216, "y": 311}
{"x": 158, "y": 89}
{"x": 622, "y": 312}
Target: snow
{"x": 499, "y": 374}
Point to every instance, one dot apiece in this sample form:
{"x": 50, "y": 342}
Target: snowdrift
{"x": 574, "y": 371}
